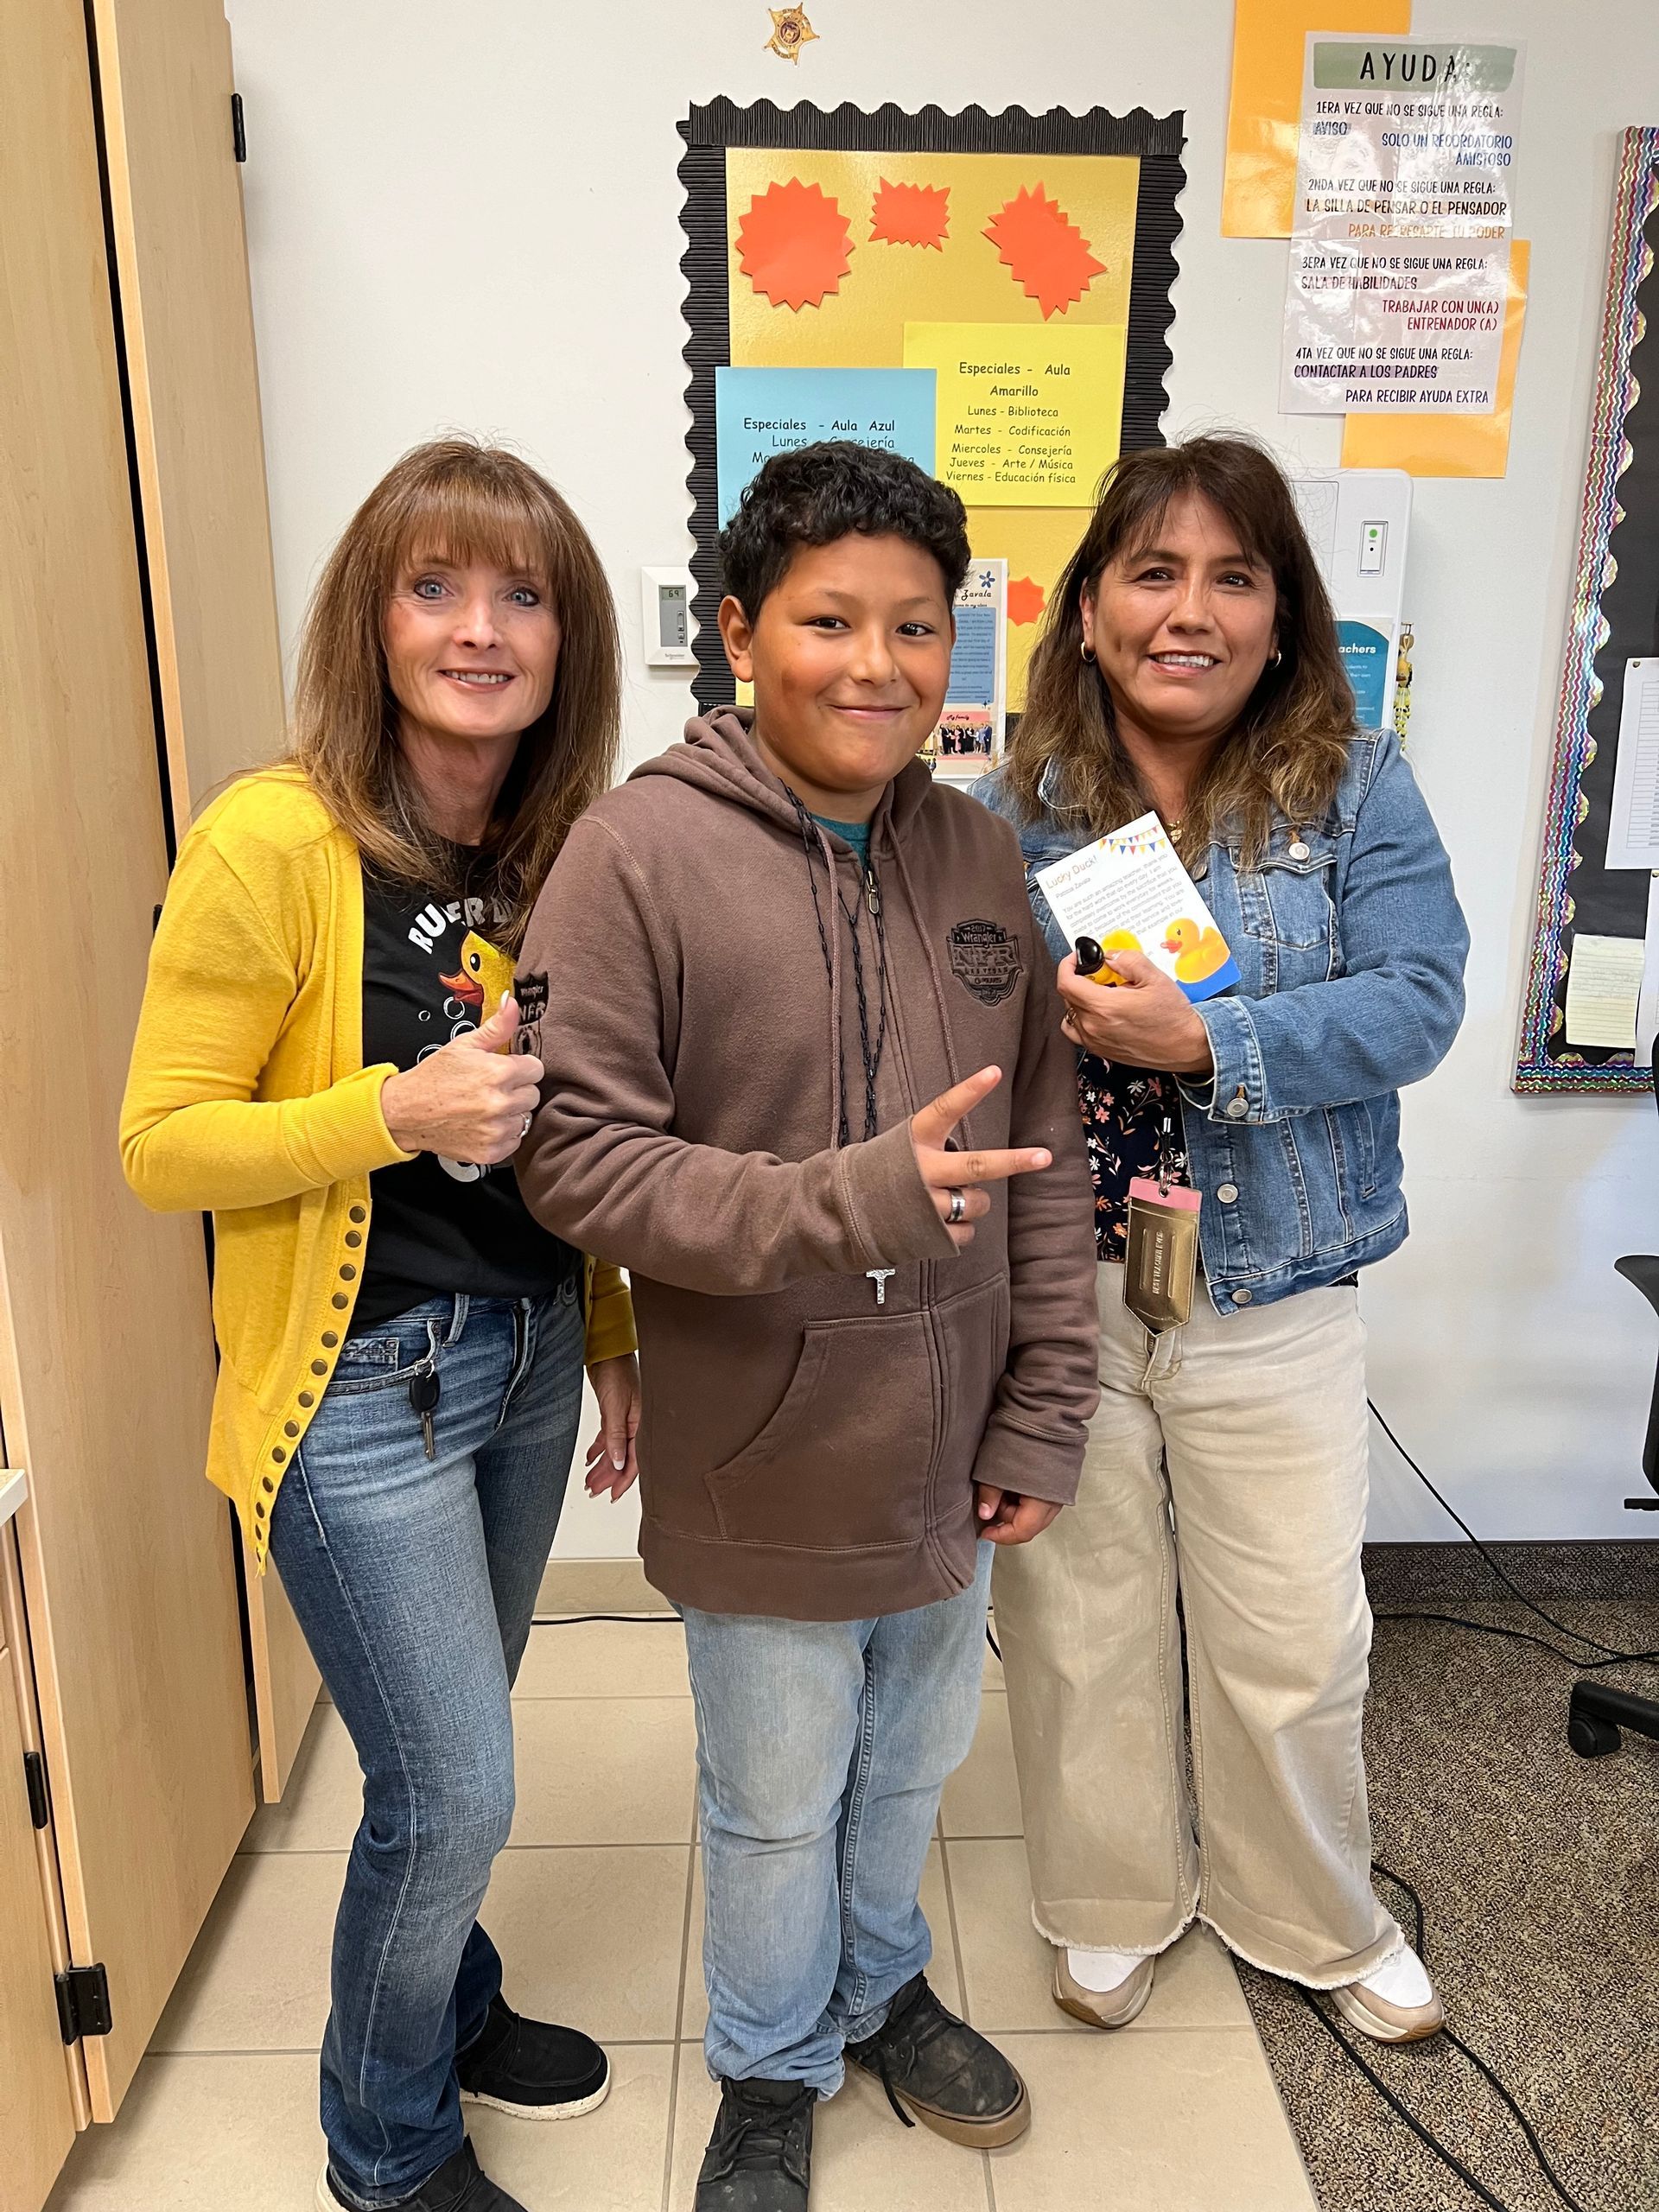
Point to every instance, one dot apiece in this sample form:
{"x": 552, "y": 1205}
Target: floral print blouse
{"x": 1124, "y": 1110}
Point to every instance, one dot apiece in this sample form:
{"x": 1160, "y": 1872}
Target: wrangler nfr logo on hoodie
{"x": 985, "y": 960}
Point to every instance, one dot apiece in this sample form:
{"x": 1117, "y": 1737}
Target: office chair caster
{"x": 1597, "y": 1713}
{"x": 1590, "y": 1737}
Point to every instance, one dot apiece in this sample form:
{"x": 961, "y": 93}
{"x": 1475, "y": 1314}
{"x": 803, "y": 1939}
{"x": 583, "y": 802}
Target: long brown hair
{"x": 1286, "y": 753}
{"x": 458, "y": 500}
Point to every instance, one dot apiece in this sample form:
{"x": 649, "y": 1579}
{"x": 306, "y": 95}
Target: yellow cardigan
{"x": 247, "y": 1097}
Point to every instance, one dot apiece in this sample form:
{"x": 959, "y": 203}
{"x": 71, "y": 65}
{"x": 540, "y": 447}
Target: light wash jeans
{"x": 822, "y": 1747}
{"x": 415, "y": 1580}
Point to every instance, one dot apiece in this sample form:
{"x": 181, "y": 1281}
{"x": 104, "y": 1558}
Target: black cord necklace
{"x": 871, "y": 1058}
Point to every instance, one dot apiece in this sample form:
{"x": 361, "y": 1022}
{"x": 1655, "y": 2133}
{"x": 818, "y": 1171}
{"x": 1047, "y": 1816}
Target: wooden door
{"x": 176, "y": 208}
{"x": 105, "y": 1345}
{"x": 40, "y": 2115}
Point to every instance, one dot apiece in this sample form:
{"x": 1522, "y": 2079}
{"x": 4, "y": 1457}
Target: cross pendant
{"x": 879, "y": 1277}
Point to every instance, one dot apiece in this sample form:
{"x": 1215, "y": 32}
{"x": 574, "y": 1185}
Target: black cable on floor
{"x": 577, "y": 1620}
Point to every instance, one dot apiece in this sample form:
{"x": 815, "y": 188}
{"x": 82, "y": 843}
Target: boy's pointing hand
{"x": 954, "y": 1178}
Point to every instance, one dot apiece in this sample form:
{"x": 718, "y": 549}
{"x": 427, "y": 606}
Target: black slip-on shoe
{"x": 936, "y": 2066}
{"x": 532, "y": 2070}
{"x": 459, "y": 2185}
{"x": 760, "y": 2157}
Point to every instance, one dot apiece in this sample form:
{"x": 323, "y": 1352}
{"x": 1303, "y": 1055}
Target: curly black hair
{"x": 838, "y": 489}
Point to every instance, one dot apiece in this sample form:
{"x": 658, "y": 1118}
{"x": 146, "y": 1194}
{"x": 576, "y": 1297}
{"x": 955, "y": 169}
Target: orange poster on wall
{"x": 1264, "y": 117}
{"x": 1448, "y": 445}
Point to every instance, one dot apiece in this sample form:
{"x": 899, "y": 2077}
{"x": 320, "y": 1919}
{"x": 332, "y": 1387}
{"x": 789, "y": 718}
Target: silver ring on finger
{"x": 958, "y": 1208}
{"x": 524, "y": 1130}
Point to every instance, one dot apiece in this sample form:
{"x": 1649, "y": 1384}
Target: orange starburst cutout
{"x": 1046, "y": 252}
{"x": 911, "y": 214}
{"x": 1026, "y": 599}
{"x": 793, "y": 245}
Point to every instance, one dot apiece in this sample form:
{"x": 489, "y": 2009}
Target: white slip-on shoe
{"x": 1113, "y": 2008}
{"x": 1396, "y": 2003}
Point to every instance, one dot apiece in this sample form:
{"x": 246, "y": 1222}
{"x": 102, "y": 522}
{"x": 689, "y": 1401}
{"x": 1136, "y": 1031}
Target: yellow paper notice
{"x": 1025, "y": 418}
{"x": 1448, "y": 445}
{"x": 1264, "y": 120}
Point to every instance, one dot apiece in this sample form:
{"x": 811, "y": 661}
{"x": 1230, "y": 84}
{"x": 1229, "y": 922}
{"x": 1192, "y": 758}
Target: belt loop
{"x": 463, "y": 1306}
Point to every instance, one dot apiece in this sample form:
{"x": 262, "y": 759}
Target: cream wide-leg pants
{"x": 1228, "y": 1462}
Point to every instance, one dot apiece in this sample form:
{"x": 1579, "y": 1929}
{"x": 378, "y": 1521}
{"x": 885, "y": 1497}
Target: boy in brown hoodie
{"x": 806, "y": 1081}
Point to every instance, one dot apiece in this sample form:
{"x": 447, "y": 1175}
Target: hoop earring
{"x": 1277, "y": 658}
{"x": 1088, "y": 653}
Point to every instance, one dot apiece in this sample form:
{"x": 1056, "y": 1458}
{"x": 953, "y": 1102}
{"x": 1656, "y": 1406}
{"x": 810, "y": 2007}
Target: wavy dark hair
{"x": 458, "y": 499}
{"x": 1285, "y": 755}
{"x": 815, "y": 495}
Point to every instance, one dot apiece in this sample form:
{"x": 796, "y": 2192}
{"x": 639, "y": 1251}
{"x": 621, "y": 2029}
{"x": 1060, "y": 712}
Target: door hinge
{"x": 39, "y": 1804}
{"x": 84, "y": 2003}
{"x": 239, "y": 129}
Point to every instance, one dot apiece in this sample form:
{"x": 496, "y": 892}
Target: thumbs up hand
{"x": 471, "y": 1101}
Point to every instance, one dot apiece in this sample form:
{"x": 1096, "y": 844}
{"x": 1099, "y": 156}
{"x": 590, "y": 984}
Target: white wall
{"x": 469, "y": 216}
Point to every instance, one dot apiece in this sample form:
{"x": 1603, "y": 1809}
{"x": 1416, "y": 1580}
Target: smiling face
{"x": 472, "y": 652}
{"x": 1183, "y": 625}
{"x": 849, "y": 659}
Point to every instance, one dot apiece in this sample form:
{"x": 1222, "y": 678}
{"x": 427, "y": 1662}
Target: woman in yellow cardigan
{"x": 325, "y": 1059}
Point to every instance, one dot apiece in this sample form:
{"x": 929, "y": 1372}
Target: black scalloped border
{"x": 1156, "y": 140}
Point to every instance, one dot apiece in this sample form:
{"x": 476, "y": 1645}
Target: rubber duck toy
{"x": 1093, "y": 954}
{"x": 485, "y": 979}
{"x": 1198, "y": 952}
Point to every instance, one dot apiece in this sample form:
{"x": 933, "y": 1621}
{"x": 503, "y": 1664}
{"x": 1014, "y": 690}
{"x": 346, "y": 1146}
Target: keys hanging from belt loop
{"x": 424, "y": 1393}
{"x": 1163, "y": 1159}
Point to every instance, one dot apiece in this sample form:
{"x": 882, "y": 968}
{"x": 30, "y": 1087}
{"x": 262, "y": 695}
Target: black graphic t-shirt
{"x": 440, "y": 1225}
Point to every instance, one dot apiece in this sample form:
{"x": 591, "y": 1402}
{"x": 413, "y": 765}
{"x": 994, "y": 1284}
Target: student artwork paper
{"x": 1129, "y": 892}
{"x": 969, "y": 739}
{"x": 1633, "y": 821}
{"x": 1400, "y": 255}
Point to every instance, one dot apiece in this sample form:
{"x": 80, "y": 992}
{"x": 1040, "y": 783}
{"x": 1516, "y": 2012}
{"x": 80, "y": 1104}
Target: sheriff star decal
{"x": 791, "y": 31}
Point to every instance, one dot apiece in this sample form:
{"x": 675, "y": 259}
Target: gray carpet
{"x": 1539, "y": 1873}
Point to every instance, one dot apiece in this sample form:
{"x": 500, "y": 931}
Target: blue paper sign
{"x": 758, "y": 412}
{"x": 1365, "y": 651}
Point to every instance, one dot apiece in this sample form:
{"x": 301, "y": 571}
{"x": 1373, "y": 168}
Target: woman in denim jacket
{"x": 1190, "y": 664}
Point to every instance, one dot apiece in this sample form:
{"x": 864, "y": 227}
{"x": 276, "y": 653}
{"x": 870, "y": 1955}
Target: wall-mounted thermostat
{"x": 665, "y": 616}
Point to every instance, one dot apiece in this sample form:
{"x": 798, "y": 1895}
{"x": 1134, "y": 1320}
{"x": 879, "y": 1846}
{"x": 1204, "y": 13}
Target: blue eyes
{"x": 432, "y": 588}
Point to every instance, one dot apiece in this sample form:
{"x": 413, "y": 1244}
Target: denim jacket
{"x": 1351, "y": 946}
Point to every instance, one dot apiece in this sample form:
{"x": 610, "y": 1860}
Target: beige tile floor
{"x": 597, "y": 1907}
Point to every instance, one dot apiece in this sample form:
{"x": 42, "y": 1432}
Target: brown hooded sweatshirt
{"x": 811, "y": 1431}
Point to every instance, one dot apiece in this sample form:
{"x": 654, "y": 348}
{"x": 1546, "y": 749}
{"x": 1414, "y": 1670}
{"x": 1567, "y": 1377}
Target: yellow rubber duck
{"x": 1198, "y": 952}
{"x": 485, "y": 979}
{"x": 1096, "y": 951}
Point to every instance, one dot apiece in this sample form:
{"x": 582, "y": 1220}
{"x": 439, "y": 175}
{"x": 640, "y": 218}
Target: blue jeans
{"x": 415, "y": 1580}
{"x": 822, "y": 1747}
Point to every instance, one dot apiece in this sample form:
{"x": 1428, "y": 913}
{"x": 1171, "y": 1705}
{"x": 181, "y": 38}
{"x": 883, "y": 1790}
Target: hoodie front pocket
{"x": 844, "y": 1463}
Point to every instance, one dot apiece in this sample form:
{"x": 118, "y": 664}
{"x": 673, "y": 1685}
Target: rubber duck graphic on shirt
{"x": 484, "y": 979}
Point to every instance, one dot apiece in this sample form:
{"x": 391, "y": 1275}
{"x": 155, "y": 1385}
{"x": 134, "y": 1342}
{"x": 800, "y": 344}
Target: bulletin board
{"x": 840, "y": 252}
{"x": 1614, "y": 618}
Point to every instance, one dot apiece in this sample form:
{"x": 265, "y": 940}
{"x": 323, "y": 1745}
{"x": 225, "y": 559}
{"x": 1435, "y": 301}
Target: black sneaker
{"x": 760, "y": 2157}
{"x": 944, "y": 2071}
{"x": 531, "y": 2069}
{"x": 459, "y": 2185}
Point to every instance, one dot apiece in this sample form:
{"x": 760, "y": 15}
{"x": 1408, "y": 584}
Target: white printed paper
{"x": 1400, "y": 255}
{"x": 1633, "y": 824}
{"x": 1604, "y": 984}
{"x": 1129, "y": 892}
{"x": 1647, "y": 1005}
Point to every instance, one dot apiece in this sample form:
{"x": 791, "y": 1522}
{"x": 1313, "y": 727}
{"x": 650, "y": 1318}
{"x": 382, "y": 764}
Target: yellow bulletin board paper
{"x": 840, "y": 243}
{"x": 1449, "y": 445}
{"x": 1025, "y": 418}
{"x": 1264, "y": 119}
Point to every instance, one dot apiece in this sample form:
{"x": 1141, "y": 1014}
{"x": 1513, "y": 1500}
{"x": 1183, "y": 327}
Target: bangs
{"x": 1138, "y": 527}
{"x": 465, "y": 520}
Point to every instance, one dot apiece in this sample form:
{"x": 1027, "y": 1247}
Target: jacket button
{"x": 266, "y": 1485}
{"x": 318, "y": 1367}
{"x": 1227, "y": 1194}
{"x": 1236, "y": 1108}
{"x": 1243, "y": 1297}
{"x": 309, "y": 1397}
{"x": 329, "y": 1340}
{"x": 278, "y": 1453}
{"x": 290, "y": 1428}
{"x": 360, "y": 1213}
{"x": 1299, "y": 851}
{"x": 340, "y": 1302}
{"x": 354, "y": 1238}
